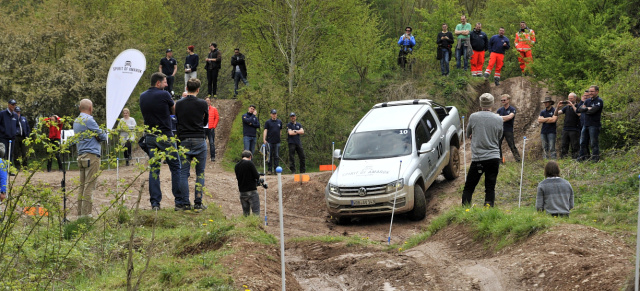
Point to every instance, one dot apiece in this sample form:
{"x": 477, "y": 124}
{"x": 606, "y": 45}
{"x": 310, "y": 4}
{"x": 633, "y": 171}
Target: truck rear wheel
{"x": 452, "y": 170}
{"x": 419, "y": 210}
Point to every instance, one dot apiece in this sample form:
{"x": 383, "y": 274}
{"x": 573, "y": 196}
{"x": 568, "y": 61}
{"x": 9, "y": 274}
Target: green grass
{"x": 349, "y": 241}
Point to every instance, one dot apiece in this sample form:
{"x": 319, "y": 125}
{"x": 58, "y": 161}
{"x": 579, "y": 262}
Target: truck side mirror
{"x": 337, "y": 154}
{"x": 424, "y": 149}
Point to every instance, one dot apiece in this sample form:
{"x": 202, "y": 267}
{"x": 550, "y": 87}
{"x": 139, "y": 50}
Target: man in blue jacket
{"x": 592, "y": 108}
{"x": 406, "y": 42}
{"x": 23, "y": 132}
{"x": 250, "y": 124}
{"x": 8, "y": 127}
{"x": 498, "y": 44}
{"x": 89, "y": 149}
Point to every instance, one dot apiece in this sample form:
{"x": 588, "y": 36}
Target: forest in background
{"x": 328, "y": 61}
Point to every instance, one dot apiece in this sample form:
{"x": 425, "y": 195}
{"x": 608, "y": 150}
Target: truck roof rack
{"x": 404, "y": 102}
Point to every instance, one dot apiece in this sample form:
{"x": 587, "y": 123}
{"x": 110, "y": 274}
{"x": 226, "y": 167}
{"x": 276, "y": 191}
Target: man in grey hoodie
{"x": 484, "y": 130}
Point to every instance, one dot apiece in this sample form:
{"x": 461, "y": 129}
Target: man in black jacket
{"x": 479, "y": 44}
{"x": 214, "y": 61}
{"x": 192, "y": 114}
{"x": 239, "y": 71}
{"x": 9, "y": 127}
{"x": 445, "y": 42}
{"x": 248, "y": 177}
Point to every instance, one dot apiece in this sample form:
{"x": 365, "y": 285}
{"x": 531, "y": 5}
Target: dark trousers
{"x": 570, "y": 137}
{"x": 210, "y": 133}
{"x": 508, "y": 135}
{"x": 212, "y": 81}
{"x": 589, "y": 137}
{"x": 490, "y": 170}
{"x": 127, "y": 150}
{"x": 21, "y": 152}
{"x": 274, "y": 156}
{"x": 293, "y": 148}
{"x": 57, "y": 151}
{"x": 170, "y": 80}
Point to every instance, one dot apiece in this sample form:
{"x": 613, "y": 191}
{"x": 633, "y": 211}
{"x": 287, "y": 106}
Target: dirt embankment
{"x": 567, "y": 257}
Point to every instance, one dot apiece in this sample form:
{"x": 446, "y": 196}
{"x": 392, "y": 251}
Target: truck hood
{"x": 353, "y": 173}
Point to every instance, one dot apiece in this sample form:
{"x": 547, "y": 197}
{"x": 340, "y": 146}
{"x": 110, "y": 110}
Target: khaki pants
{"x": 89, "y": 164}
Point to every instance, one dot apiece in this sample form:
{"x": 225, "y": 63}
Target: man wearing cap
{"x": 169, "y": 67}
{"x": 214, "y": 61}
{"x": 484, "y": 129}
{"x": 294, "y": 131}
{"x": 190, "y": 65}
{"x": 192, "y": 114}
{"x": 23, "y": 132}
{"x": 548, "y": 120}
{"x": 89, "y": 137}
{"x": 9, "y": 128}
{"x": 156, "y": 106}
{"x": 271, "y": 137}
{"x": 592, "y": 109}
{"x": 250, "y": 124}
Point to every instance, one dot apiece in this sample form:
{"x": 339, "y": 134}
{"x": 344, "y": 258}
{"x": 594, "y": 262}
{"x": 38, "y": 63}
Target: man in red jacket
{"x": 210, "y": 130}
{"x": 55, "y": 125}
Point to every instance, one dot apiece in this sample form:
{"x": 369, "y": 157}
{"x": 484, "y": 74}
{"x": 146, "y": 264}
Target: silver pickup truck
{"x": 396, "y": 150}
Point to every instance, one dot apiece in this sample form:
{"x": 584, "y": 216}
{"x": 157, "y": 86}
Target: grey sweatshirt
{"x": 485, "y": 130}
{"x": 555, "y": 195}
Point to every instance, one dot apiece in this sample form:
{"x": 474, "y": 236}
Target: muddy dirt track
{"x": 567, "y": 257}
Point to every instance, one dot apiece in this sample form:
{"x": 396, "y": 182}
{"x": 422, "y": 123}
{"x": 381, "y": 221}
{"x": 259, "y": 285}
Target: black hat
{"x": 168, "y": 51}
{"x": 273, "y": 111}
{"x": 292, "y": 114}
{"x": 548, "y": 99}
{"x": 18, "y": 109}
{"x": 13, "y": 102}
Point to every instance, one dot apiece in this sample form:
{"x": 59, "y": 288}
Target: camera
{"x": 262, "y": 183}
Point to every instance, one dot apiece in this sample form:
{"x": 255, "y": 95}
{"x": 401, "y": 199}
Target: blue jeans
{"x": 237, "y": 76}
{"x": 444, "y": 62}
{"x": 197, "y": 149}
{"x": 249, "y": 143}
{"x": 173, "y": 160}
{"x": 274, "y": 156}
{"x": 462, "y": 52}
{"x": 548, "y": 145}
{"x": 589, "y": 137}
{"x": 210, "y": 133}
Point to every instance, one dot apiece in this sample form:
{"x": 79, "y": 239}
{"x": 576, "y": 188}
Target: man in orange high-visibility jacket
{"x": 210, "y": 128}
{"x": 525, "y": 38}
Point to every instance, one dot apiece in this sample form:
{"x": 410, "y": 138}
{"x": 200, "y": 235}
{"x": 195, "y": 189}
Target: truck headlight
{"x": 333, "y": 189}
{"x": 395, "y": 185}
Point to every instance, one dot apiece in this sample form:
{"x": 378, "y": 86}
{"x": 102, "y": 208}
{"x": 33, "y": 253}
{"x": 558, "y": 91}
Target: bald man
{"x": 89, "y": 135}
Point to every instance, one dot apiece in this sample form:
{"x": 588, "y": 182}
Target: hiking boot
{"x": 199, "y": 207}
{"x": 486, "y": 75}
{"x": 183, "y": 207}
{"x": 213, "y": 159}
{"x": 497, "y": 81}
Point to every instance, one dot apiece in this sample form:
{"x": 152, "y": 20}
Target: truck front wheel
{"x": 452, "y": 170}
{"x": 419, "y": 210}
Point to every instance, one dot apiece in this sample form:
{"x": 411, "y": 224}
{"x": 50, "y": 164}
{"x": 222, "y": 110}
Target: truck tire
{"x": 452, "y": 170}
{"x": 419, "y": 210}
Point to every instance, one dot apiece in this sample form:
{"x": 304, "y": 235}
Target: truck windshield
{"x": 378, "y": 144}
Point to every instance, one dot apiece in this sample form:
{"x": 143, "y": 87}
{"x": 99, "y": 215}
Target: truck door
{"x": 437, "y": 137}
{"x": 428, "y": 160}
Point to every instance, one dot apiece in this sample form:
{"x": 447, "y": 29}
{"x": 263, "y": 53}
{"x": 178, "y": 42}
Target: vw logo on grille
{"x": 362, "y": 191}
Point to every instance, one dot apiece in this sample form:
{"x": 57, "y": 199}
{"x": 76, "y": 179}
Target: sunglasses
{"x": 408, "y": 30}
{"x": 503, "y": 100}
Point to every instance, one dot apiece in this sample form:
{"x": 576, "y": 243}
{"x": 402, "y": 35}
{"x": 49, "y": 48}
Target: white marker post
{"x": 524, "y": 144}
{"x": 264, "y": 168}
{"x": 9, "y": 159}
{"x": 393, "y": 210}
{"x": 333, "y": 148}
{"x": 638, "y": 244}
{"x": 279, "y": 171}
{"x": 464, "y": 149}
{"x": 118, "y": 175}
